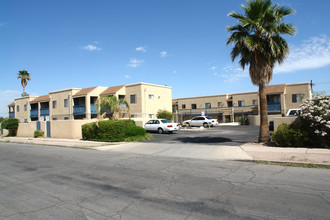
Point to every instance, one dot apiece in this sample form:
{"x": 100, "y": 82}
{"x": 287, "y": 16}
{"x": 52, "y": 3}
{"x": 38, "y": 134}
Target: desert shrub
{"x": 11, "y": 124}
{"x": 135, "y": 131}
{"x": 287, "y": 136}
{"x": 38, "y": 133}
{"x": 107, "y": 131}
{"x": 165, "y": 114}
{"x": 244, "y": 120}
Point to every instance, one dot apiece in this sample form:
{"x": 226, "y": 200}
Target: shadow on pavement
{"x": 204, "y": 140}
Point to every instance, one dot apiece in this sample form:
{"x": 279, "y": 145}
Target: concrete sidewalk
{"x": 246, "y": 152}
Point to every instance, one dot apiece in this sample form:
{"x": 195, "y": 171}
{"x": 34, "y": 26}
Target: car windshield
{"x": 166, "y": 121}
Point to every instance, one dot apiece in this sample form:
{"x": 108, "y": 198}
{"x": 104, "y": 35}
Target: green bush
{"x": 107, "y": 131}
{"x": 38, "y": 133}
{"x": 11, "y": 124}
{"x": 244, "y": 120}
{"x": 288, "y": 136}
{"x": 135, "y": 131}
{"x": 163, "y": 114}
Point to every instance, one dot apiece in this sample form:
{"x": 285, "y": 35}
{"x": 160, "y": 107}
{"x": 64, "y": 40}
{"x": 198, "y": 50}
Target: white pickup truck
{"x": 294, "y": 112}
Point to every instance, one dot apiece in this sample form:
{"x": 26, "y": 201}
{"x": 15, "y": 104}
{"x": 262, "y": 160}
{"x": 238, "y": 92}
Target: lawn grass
{"x": 137, "y": 138}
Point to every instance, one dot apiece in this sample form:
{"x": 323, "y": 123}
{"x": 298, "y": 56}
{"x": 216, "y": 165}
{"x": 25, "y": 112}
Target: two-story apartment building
{"x": 230, "y": 107}
{"x": 68, "y": 108}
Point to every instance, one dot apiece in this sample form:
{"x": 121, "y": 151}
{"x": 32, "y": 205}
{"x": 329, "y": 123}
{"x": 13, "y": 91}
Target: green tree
{"x": 257, "y": 41}
{"x": 25, "y": 77}
{"x": 164, "y": 114}
{"x": 11, "y": 124}
{"x": 112, "y": 106}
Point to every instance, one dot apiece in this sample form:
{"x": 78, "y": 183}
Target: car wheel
{"x": 160, "y": 131}
{"x": 205, "y": 125}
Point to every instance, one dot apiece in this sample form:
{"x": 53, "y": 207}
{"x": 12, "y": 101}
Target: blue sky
{"x": 80, "y": 43}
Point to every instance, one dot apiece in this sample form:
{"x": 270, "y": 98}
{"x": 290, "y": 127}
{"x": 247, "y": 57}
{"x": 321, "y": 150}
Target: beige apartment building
{"x": 61, "y": 113}
{"x": 230, "y": 107}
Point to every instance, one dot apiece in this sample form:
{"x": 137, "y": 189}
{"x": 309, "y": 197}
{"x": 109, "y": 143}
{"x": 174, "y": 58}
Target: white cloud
{"x": 213, "y": 68}
{"x": 91, "y": 47}
{"x": 231, "y": 74}
{"x": 7, "y": 97}
{"x": 163, "y": 54}
{"x": 311, "y": 54}
{"x": 142, "y": 49}
{"x": 127, "y": 76}
{"x": 134, "y": 62}
{"x": 174, "y": 71}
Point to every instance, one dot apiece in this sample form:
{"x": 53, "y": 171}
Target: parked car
{"x": 161, "y": 126}
{"x": 205, "y": 121}
{"x": 294, "y": 112}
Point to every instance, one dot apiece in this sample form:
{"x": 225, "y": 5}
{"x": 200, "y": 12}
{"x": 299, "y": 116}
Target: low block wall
{"x": 255, "y": 119}
{"x": 26, "y": 129}
{"x": 67, "y": 128}
{"x": 280, "y": 120}
{"x": 4, "y": 132}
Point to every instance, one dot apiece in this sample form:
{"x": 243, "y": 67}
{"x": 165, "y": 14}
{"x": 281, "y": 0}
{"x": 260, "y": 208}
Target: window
{"x": 66, "y": 103}
{"x": 230, "y": 104}
{"x": 241, "y": 103}
{"x": 219, "y": 104}
{"x": 25, "y": 120}
{"x": 133, "y": 99}
{"x": 254, "y": 102}
{"x": 193, "y": 106}
{"x": 54, "y": 118}
{"x": 207, "y": 105}
{"x": 25, "y": 107}
{"x": 296, "y": 97}
{"x": 183, "y": 106}
{"x": 17, "y": 108}
{"x": 151, "y": 116}
{"x": 151, "y": 96}
{"x": 66, "y": 118}
{"x": 54, "y": 104}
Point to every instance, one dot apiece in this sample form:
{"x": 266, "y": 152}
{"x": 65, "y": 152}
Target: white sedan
{"x": 161, "y": 125}
{"x": 205, "y": 121}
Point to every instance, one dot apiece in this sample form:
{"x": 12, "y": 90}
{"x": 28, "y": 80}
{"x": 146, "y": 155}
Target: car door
{"x": 148, "y": 125}
{"x": 196, "y": 121}
{"x": 156, "y": 125}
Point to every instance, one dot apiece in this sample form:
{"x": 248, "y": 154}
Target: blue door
{"x": 38, "y": 125}
{"x": 48, "y": 128}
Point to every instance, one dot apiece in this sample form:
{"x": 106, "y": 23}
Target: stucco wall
{"x": 280, "y": 120}
{"x": 255, "y": 119}
{"x": 26, "y": 129}
{"x": 67, "y": 128}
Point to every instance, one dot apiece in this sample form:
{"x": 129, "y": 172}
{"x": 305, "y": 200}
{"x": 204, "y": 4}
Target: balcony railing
{"x": 11, "y": 114}
{"x": 34, "y": 113}
{"x": 274, "y": 107}
{"x": 44, "y": 112}
{"x": 79, "y": 110}
{"x": 93, "y": 109}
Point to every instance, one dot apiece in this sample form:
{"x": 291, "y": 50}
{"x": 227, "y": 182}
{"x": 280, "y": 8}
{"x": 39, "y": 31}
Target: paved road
{"x": 221, "y": 135}
{"x": 47, "y": 182}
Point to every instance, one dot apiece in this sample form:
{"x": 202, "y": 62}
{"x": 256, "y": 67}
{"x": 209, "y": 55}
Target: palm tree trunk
{"x": 264, "y": 130}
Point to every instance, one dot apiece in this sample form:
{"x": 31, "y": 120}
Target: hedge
{"x": 11, "y": 124}
{"x": 107, "y": 131}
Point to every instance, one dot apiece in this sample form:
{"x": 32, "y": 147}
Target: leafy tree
{"x": 257, "y": 41}
{"x": 25, "y": 77}
{"x": 11, "y": 124}
{"x": 1, "y": 119}
{"x": 165, "y": 114}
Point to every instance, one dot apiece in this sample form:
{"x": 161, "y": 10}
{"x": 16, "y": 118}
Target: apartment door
{"x": 48, "y": 128}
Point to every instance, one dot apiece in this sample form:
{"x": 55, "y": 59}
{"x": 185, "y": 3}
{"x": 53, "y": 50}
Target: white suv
{"x": 205, "y": 121}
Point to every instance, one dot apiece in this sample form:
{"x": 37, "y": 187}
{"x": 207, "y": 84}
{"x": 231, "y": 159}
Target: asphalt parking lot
{"x": 220, "y": 135}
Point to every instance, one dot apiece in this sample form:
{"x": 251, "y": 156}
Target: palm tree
{"x": 25, "y": 77}
{"x": 112, "y": 106}
{"x": 256, "y": 39}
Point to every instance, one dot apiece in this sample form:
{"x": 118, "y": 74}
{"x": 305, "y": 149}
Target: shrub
{"x": 244, "y": 120}
{"x": 165, "y": 114}
{"x": 11, "y": 124}
{"x": 107, "y": 131}
{"x": 286, "y": 136}
{"x": 135, "y": 131}
{"x": 38, "y": 133}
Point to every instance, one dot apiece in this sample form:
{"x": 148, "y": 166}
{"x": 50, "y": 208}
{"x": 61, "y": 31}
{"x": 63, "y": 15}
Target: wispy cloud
{"x": 2, "y": 24}
{"x": 163, "y": 54}
{"x": 311, "y": 54}
{"x": 134, "y": 62}
{"x": 91, "y": 47}
{"x": 174, "y": 71}
{"x": 7, "y": 97}
{"x": 127, "y": 76}
{"x": 213, "y": 68}
{"x": 142, "y": 49}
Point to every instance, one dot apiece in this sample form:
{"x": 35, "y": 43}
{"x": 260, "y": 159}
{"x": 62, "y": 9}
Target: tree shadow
{"x": 203, "y": 140}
